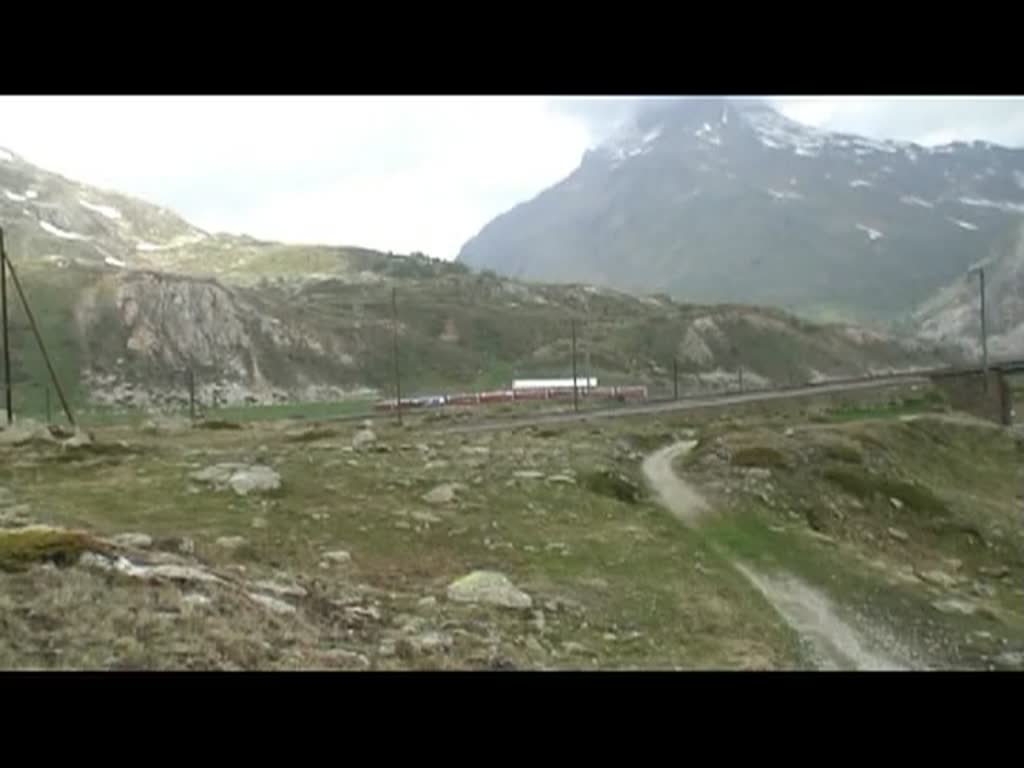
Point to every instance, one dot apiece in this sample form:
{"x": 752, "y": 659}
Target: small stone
{"x": 961, "y": 607}
{"x": 133, "y": 540}
{"x": 574, "y": 648}
{"x": 364, "y": 439}
{"x": 983, "y": 590}
{"x": 896, "y": 503}
{"x": 562, "y": 479}
{"x": 80, "y": 439}
{"x": 425, "y": 517}
{"x": 789, "y": 432}
{"x": 488, "y": 587}
{"x": 186, "y": 546}
{"x": 611, "y": 637}
{"x": 528, "y": 474}
{"x": 196, "y": 600}
{"x": 1010, "y": 659}
{"x": 403, "y": 525}
{"x": 255, "y": 479}
{"x": 427, "y": 603}
{"x": 442, "y": 494}
{"x": 259, "y": 522}
{"x": 6, "y": 497}
{"x": 230, "y": 542}
{"x": 898, "y": 534}
{"x": 272, "y": 603}
{"x": 824, "y": 538}
{"x": 338, "y": 556}
{"x": 278, "y": 588}
{"x": 999, "y": 572}
{"x": 533, "y": 645}
{"x": 937, "y": 578}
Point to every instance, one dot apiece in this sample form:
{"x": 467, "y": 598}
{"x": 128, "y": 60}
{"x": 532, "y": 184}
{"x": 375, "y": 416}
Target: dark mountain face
{"x": 725, "y": 200}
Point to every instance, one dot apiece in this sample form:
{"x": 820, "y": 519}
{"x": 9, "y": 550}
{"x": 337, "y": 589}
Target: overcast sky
{"x": 400, "y": 174}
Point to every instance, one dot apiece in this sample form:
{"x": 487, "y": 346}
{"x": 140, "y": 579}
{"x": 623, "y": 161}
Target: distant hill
{"x": 130, "y": 297}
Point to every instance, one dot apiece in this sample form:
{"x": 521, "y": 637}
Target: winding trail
{"x": 831, "y": 642}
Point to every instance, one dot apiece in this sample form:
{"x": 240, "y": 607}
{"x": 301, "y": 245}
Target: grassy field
{"x": 616, "y": 583}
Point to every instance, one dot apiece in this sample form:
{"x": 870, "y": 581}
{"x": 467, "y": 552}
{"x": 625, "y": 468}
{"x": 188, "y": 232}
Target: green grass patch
{"x": 759, "y": 456}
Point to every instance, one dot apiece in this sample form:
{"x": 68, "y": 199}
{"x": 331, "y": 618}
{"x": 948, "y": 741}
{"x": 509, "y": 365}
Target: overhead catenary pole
{"x": 39, "y": 340}
{"x": 984, "y": 324}
{"x": 398, "y": 381}
{"x": 8, "y": 397}
{"x": 575, "y": 383}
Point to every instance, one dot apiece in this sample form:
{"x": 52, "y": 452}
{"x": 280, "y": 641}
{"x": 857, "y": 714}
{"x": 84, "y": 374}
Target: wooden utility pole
{"x": 575, "y": 383}
{"x": 7, "y": 339}
{"x": 39, "y": 340}
{"x": 398, "y": 381}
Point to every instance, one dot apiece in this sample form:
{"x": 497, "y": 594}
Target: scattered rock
{"x": 364, "y": 439}
{"x": 132, "y": 540}
{"x": 25, "y": 433}
{"x": 257, "y": 478}
{"x": 898, "y": 534}
{"x": 488, "y": 587}
{"x": 534, "y": 646}
{"x": 528, "y": 474}
{"x": 427, "y": 603}
{"x": 343, "y": 655}
{"x": 562, "y": 479}
{"x": 983, "y": 590}
{"x": 574, "y": 648}
{"x": 278, "y": 588}
{"x": 937, "y": 578}
{"x": 425, "y": 517}
{"x": 442, "y": 494}
{"x": 431, "y": 642}
{"x": 243, "y": 479}
{"x": 437, "y": 464}
{"x": 999, "y": 572}
{"x": 338, "y": 556}
{"x": 478, "y": 450}
{"x": 962, "y": 607}
{"x": 272, "y": 603}
{"x": 81, "y": 439}
{"x": 825, "y": 538}
{"x": 6, "y": 497}
{"x": 896, "y": 503}
{"x": 1010, "y": 659}
{"x": 789, "y": 432}
{"x": 760, "y": 473}
{"x": 259, "y": 522}
{"x": 186, "y": 546}
{"x": 230, "y": 542}
{"x": 196, "y": 600}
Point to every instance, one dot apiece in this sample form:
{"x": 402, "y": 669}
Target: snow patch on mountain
{"x": 963, "y": 224}
{"x": 6, "y": 156}
{"x": 15, "y": 196}
{"x": 860, "y": 183}
{"x": 1001, "y": 205}
{"x": 784, "y": 194}
{"x": 873, "y": 234}
{"x": 104, "y": 210}
{"x": 911, "y": 200}
{"x": 62, "y": 233}
{"x": 111, "y": 261}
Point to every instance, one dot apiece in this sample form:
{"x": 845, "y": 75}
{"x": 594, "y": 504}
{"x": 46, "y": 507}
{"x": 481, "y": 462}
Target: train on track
{"x": 560, "y": 391}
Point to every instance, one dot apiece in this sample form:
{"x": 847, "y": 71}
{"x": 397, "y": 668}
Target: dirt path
{"x": 831, "y": 642}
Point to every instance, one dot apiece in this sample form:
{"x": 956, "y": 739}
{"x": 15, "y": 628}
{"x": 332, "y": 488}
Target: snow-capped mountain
{"x": 46, "y": 215}
{"x": 728, "y": 200}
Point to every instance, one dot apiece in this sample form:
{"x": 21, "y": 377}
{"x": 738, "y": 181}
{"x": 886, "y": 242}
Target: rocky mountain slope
{"x": 132, "y": 301}
{"x": 953, "y": 315}
{"x": 728, "y": 200}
